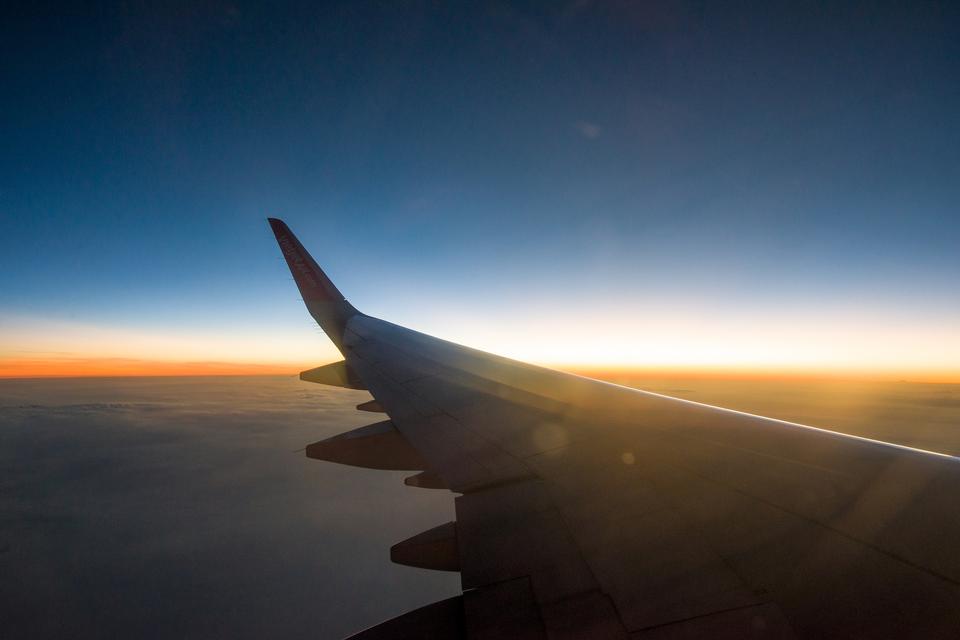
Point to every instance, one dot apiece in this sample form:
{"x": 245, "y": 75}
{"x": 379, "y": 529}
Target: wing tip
{"x": 277, "y": 225}
{"x": 324, "y": 301}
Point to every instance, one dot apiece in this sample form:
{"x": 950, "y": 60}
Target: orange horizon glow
{"x": 133, "y": 367}
{"x": 614, "y": 346}
{"x": 61, "y": 367}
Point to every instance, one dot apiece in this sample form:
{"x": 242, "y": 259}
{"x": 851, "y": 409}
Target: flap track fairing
{"x": 376, "y": 446}
{"x": 335, "y": 374}
{"x": 435, "y": 548}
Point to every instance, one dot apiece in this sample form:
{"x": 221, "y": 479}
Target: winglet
{"x": 324, "y": 301}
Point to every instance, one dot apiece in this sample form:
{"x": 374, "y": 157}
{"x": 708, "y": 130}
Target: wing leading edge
{"x": 592, "y": 510}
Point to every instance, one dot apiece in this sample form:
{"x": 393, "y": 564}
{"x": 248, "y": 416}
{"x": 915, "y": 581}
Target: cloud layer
{"x": 160, "y": 508}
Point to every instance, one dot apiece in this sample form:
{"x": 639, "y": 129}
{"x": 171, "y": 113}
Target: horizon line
{"x": 61, "y": 368}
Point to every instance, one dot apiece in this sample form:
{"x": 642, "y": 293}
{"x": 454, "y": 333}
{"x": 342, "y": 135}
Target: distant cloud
{"x": 589, "y": 130}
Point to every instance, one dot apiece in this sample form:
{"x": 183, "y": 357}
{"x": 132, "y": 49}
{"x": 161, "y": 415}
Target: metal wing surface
{"x": 589, "y": 510}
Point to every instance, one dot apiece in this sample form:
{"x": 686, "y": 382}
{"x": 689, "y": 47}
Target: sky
{"x": 758, "y": 187}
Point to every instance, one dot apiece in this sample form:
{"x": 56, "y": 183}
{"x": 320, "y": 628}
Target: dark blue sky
{"x": 447, "y": 162}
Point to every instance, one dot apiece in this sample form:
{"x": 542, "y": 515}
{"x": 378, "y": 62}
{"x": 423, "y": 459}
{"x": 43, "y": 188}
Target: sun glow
{"x": 727, "y": 343}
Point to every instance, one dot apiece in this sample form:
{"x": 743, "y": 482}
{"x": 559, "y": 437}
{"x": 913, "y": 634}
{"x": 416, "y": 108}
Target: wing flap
{"x": 503, "y": 610}
{"x": 513, "y": 534}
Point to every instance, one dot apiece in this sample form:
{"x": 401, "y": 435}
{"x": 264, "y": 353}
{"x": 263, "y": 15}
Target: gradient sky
{"x": 765, "y": 186}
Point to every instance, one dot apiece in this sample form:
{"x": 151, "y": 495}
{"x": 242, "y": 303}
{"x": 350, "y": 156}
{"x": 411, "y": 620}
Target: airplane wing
{"x": 590, "y": 510}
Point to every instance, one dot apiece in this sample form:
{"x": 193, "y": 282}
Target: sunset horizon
{"x": 38, "y": 368}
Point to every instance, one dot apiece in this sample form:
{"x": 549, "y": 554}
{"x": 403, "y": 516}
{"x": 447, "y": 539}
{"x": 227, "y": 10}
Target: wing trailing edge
{"x": 442, "y": 620}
